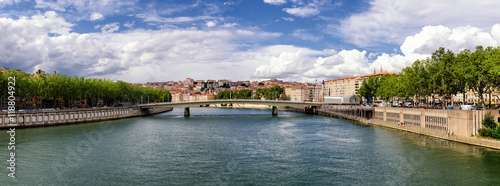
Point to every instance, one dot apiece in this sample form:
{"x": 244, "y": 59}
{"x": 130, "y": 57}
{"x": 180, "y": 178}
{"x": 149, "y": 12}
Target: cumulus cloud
{"x": 83, "y": 9}
{"x": 304, "y": 11}
{"x": 8, "y": 2}
{"x": 211, "y": 24}
{"x": 96, "y": 16}
{"x": 305, "y": 67}
{"x": 110, "y": 28}
{"x": 275, "y": 2}
{"x": 307, "y": 8}
{"x": 304, "y": 35}
{"x": 129, "y": 24}
{"x": 288, "y": 19}
{"x": 139, "y": 55}
{"x": 389, "y": 21}
{"x": 46, "y": 42}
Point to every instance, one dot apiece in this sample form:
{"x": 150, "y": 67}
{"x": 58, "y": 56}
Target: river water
{"x": 217, "y": 146}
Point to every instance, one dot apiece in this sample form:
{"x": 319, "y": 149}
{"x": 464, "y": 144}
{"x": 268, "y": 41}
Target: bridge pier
{"x": 186, "y": 112}
{"x": 275, "y": 111}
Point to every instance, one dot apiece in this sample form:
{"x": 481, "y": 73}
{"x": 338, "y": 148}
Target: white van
{"x": 466, "y": 107}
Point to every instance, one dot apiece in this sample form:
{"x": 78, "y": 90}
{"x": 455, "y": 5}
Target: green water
{"x": 218, "y": 146}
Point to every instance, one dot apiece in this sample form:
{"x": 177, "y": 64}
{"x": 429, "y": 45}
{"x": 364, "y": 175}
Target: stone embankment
{"x": 453, "y": 125}
{"x": 71, "y": 116}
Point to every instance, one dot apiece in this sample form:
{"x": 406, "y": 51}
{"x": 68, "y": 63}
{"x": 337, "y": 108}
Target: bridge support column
{"x": 275, "y": 111}
{"x": 186, "y": 111}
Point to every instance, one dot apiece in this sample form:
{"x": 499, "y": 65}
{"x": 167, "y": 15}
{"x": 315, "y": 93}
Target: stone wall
{"x": 461, "y": 122}
{"x": 60, "y": 117}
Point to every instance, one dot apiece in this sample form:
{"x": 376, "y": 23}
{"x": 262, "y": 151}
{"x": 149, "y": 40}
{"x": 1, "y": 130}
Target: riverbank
{"x": 413, "y": 127}
{"x": 64, "y": 117}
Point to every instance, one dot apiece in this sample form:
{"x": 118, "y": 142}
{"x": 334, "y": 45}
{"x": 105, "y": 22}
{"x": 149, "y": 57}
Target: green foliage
{"x": 369, "y": 88}
{"x": 485, "y": 132}
{"x": 226, "y": 94}
{"x": 488, "y": 121}
{"x": 244, "y": 94}
{"x": 62, "y": 87}
{"x": 444, "y": 74}
{"x": 269, "y": 93}
{"x": 490, "y": 128}
{"x": 389, "y": 87}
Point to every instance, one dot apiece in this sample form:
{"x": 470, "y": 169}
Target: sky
{"x": 293, "y": 40}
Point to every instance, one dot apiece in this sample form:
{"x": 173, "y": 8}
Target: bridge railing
{"x": 229, "y": 100}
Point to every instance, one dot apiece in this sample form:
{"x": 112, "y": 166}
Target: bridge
{"x": 186, "y": 105}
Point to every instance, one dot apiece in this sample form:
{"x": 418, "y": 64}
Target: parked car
{"x": 467, "y": 107}
{"x": 408, "y": 104}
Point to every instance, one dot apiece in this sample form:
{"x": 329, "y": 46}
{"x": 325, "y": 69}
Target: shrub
{"x": 488, "y": 121}
{"x": 485, "y": 132}
{"x": 496, "y": 132}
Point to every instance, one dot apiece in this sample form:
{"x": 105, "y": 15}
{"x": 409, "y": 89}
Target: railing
{"x": 443, "y": 134}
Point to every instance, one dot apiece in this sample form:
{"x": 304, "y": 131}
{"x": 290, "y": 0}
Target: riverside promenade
{"x": 71, "y": 116}
{"x": 453, "y": 125}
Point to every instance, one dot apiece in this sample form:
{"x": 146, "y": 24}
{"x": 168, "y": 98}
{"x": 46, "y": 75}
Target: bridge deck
{"x": 240, "y": 101}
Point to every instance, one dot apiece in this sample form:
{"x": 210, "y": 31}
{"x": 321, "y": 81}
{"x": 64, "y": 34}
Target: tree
{"x": 460, "y": 71}
{"x": 389, "y": 85}
{"x": 442, "y": 76}
{"x": 477, "y": 77}
{"x": 369, "y": 88}
{"x": 244, "y": 94}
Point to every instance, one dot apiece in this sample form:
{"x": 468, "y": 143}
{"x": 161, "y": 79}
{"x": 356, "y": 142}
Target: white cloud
{"x": 211, "y": 24}
{"x": 306, "y": 67}
{"x": 129, "y": 24}
{"x": 304, "y": 35}
{"x": 288, "y": 19}
{"x": 96, "y": 16}
{"x": 275, "y": 2}
{"x": 139, "y": 55}
{"x": 155, "y": 18}
{"x": 83, "y": 9}
{"x": 135, "y": 55}
{"x": 389, "y": 21}
{"x": 304, "y": 11}
{"x": 8, "y": 2}
{"x": 307, "y": 8}
{"x": 110, "y": 28}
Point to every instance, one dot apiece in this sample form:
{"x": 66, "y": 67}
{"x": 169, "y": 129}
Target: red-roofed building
{"x": 348, "y": 85}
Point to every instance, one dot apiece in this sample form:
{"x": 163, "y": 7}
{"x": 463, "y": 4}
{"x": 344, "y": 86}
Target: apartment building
{"x": 348, "y": 85}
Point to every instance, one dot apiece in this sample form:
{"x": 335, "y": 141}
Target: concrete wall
{"x": 29, "y": 119}
{"x": 461, "y": 122}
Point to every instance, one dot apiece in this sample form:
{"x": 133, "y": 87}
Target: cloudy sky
{"x": 294, "y": 40}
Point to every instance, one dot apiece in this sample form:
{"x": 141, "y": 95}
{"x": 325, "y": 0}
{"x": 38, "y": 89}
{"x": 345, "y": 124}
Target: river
{"x": 219, "y": 146}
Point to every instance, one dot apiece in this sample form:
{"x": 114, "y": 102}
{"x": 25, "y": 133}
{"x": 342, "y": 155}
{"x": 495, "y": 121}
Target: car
{"x": 467, "y": 107}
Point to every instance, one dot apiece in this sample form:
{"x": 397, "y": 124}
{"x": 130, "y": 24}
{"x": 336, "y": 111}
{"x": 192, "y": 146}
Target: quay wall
{"x": 62, "y": 117}
{"x": 462, "y": 124}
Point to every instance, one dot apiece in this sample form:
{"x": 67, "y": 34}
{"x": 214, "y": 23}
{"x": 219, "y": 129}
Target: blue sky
{"x": 294, "y": 40}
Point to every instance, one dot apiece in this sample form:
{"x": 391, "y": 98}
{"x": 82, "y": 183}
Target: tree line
{"x": 444, "y": 74}
{"x": 266, "y": 93}
{"x": 96, "y": 92}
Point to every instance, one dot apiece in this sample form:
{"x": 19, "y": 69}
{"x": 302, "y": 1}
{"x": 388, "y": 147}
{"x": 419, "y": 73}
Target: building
{"x": 188, "y": 82}
{"x": 349, "y": 85}
{"x": 299, "y": 93}
{"x": 288, "y": 93}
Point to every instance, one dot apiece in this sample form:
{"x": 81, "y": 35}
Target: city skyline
{"x": 297, "y": 40}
